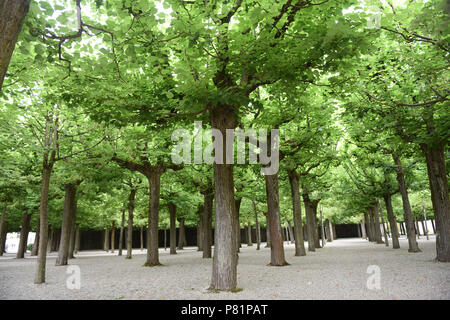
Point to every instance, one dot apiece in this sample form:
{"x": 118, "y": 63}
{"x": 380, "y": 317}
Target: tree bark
{"x": 330, "y": 231}
{"x": 131, "y": 199}
{"x": 291, "y": 232}
{"x": 12, "y": 15}
{"x": 297, "y": 213}
{"x": 392, "y": 221}
{"x": 386, "y": 240}
{"x": 237, "y": 221}
{"x": 207, "y": 224}
{"x": 258, "y": 228}
{"x": 34, "y": 251}
{"x": 376, "y": 224}
{"x": 314, "y": 205}
{"x": 77, "y": 239}
{"x": 154, "y": 179}
{"x": 273, "y": 214}
{"x": 3, "y": 230}
{"x": 72, "y": 241}
{"x": 249, "y": 235}
{"x": 309, "y": 220}
{"x": 224, "y": 271}
{"x": 181, "y": 234}
{"x": 67, "y": 225}
{"x": 267, "y": 231}
{"x": 43, "y": 220}
{"x": 141, "y": 237}
{"x": 24, "y": 230}
{"x": 199, "y": 234}
{"x": 122, "y": 225}
{"x": 113, "y": 237}
{"x": 51, "y": 234}
{"x": 173, "y": 227}
{"x": 411, "y": 234}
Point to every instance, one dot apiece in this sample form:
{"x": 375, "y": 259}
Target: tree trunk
{"x": 249, "y": 235}
{"x": 330, "y": 231}
{"x": 3, "y": 230}
{"x": 411, "y": 234}
{"x": 258, "y": 228}
{"x": 131, "y": 198}
{"x": 67, "y": 225}
{"x": 34, "y": 251}
{"x": 273, "y": 215}
{"x": 12, "y": 15}
{"x": 50, "y": 238}
{"x": 291, "y": 232}
{"x": 224, "y": 271}
{"x": 333, "y": 227}
{"x": 77, "y": 239}
{"x": 141, "y": 237}
{"x": 314, "y": 205}
{"x": 113, "y": 237}
{"x": 154, "y": 179}
{"x": 44, "y": 229}
{"x": 122, "y": 225}
{"x": 433, "y": 225}
{"x": 181, "y": 235}
{"x": 392, "y": 221}
{"x": 173, "y": 228}
{"x": 309, "y": 220}
{"x": 386, "y": 240}
{"x": 72, "y": 241}
{"x": 376, "y": 224}
{"x": 237, "y": 221}
{"x": 207, "y": 224}
{"x": 24, "y": 230}
{"x": 199, "y": 234}
{"x": 267, "y": 231}
{"x": 106, "y": 245}
{"x": 297, "y": 213}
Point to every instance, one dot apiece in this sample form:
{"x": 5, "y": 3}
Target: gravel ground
{"x": 338, "y": 271}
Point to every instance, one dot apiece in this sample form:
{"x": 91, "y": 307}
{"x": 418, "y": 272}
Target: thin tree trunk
{"x": 113, "y": 237}
{"x": 12, "y": 15}
{"x": 131, "y": 199}
{"x": 297, "y": 213}
{"x": 44, "y": 228}
{"x": 258, "y": 228}
{"x": 333, "y": 227}
{"x": 34, "y": 251}
{"x": 141, "y": 237}
{"x": 386, "y": 240}
{"x": 207, "y": 224}
{"x": 77, "y": 238}
{"x": 291, "y": 232}
{"x": 237, "y": 226}
{"x": 330, "y": 231}
{"x": 173, "y": 227}
{"x": 411, "y": 234}
{"x": 249, "y": 235}
{"x": 199, "y": 234}
{"x": 67, "y": 225}
{"x": 182, "y": 235}
{"x": 392, "y": 221}
{"x": 72, "y": 241}
{"x": 309, "y": 220}
{"x": 25, "y": 229}
{"x": 433, "y": 225}
{"x": 122, "y": 225}
{"x": 165, "y": 238}
{"x": 376, "y": 224}
{"x": 3, "y": 230}
{"x": 50, "y": 238}
{"x": 273, "y": 205}
{"x": 267, "y": 232}
{"x": 314, "y": 205}
{"x": 107, "y": 238}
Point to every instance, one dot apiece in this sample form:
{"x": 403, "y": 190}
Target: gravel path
{"x": 338, "y": 271}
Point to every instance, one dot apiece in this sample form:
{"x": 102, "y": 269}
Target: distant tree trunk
{"x": 50, "y": 238}
{"x": 434, "y": 227}
{"x": 173, "y": 227}
{"x": 67, "y": 225}
{"x": 141, "y": 237}
{"x": 207, "y": 224}
{"x": 131, "y": 199}
{"x": 273, "y": 204}
{"x": 291, "y": 232}
{"x": 3, "y": 238}
{"x": 12, "y": 15}
{"x": 314, "y": 205}
{"x": 416, "y": 223}
{"x": 309, "y": 220}
{"x": 334, "y": 231}
{"x": 25, "y": 229}
{"x": 237, "y": 226}
{"x": 386, "y": 240}
{"x": 437, "y": 178}
{"x": 363, "y": 230}
{"x": 34, "y": 251}
{"x": 411, "y": 234}
{"x": 122, "y": 225}
{"x": 249, "y": 235}
{"x": 106, "y": 246}
{"x": 359, "y": 230}
{"x": 330, "y": 231}
{"x": 199, "y": 235}
{"x": 258, "y": 228}
{"x": 165, "y": 238}
{"x": 77, "y": 239}
{"x": 182, "y": 235}
{"x": 392, "y": 221}
{"x": 113, "y": 237}
{"x": 376, "y": 223}
{"x": 3, "y": 230}
{"x": 297, "y": 213}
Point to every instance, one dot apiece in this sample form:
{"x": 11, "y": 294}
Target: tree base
{"x": 414, "y": 251}
{"x": 279, "y": 265}
{"x": 212, "y": 289}
{"x": 149, "y": 264}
